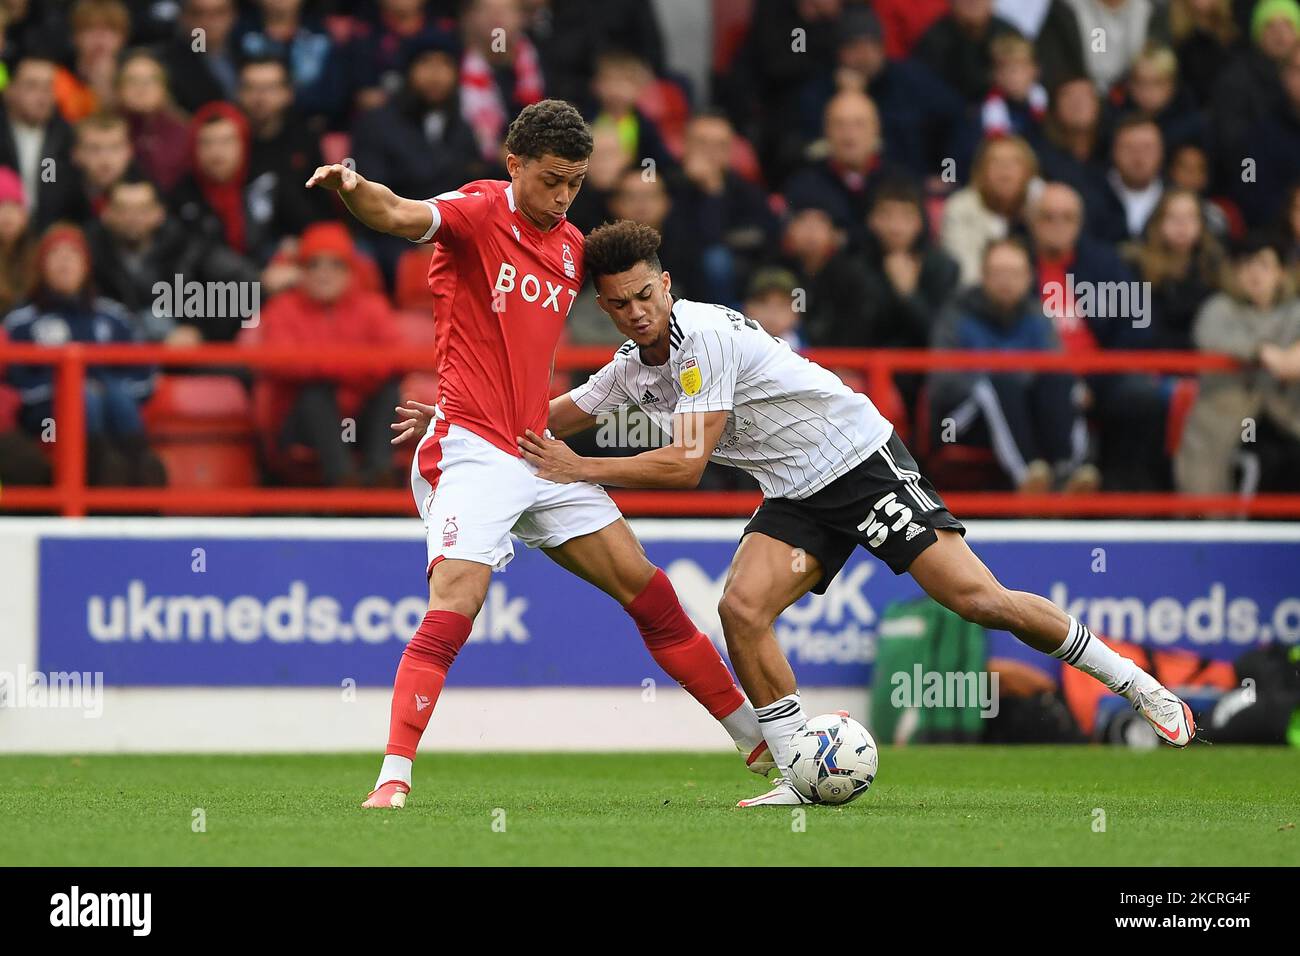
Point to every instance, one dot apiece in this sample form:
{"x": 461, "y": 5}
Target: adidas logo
{"x": 649, "y": 397}
{"x": 913, "y": 530}
{"x": 421, "y": 702}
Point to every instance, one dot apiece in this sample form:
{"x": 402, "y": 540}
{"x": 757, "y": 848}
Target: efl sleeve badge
{"x": 690, "y": 377}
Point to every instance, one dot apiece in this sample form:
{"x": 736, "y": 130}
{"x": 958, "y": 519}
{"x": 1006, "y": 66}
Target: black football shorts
{"x": 884, "y": 504}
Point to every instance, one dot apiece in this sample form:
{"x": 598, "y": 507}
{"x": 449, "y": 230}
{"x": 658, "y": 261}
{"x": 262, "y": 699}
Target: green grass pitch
{"x": 930, "y": 805}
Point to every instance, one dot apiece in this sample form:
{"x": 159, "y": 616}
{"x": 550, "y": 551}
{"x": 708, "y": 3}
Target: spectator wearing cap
{"x": 1275, "y": 147}
{"x": 63, "y": 307}
{"x": 281, "y": 29}
{"x": 417, "y": 143}
{"x": 918, "y": 110}
{"x": 306, "y": 404}
{"x": 1250, "y": 87}
{"x": 1256, "y": 319}
{"x": 771, "y": 301}
{"x": 282, "y": 152}
{"x": 843, "y": 182}
{"x": 729, "y": 215}
{"x": 957, "y": 47}
{"x": 135, "y": 245}
{"x": 15, "y": 240}
{"x": 1003, "y": 179}
{"x": 100, "y": 29}
{"x": 1053, "y": 29}
{"x": 208, "y": 73}
{"x": 33, "y": 134}
{"x": 157, "y": 128}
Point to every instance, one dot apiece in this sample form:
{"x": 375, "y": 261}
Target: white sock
{"x": 394, "y": 768}
{"x": 742, "y": 724}
{"x": 1082, "y": 650}
{"x": 780, "y": 721}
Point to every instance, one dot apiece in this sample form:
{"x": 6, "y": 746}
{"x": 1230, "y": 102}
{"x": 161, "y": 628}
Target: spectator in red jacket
{"x": 334, "y": 409}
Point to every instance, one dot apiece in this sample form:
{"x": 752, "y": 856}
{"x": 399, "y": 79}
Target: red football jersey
{"x": 502, "y": 289}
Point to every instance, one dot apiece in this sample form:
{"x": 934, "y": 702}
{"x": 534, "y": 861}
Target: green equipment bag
{"x": 929, "y": 671}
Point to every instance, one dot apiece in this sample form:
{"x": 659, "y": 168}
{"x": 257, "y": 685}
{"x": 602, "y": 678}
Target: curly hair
{"x": 618, "y": 246}
{"x": 550, "y": 127}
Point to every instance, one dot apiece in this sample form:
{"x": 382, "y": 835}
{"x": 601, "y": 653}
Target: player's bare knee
{"x": 988, "y": 605}
{"x": 743, "y": 616}
{"x": 458, "y": 586}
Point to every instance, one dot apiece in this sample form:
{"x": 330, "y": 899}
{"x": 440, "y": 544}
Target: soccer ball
{"x": 833, "y": 760}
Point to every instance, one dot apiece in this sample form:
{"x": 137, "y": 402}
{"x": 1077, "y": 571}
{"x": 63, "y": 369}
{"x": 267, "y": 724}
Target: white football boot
{"x": 782, "y": 795}
{"x": 1167, "y": 714}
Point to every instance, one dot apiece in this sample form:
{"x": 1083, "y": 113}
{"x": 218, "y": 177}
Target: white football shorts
{"x": 472, "y": 495}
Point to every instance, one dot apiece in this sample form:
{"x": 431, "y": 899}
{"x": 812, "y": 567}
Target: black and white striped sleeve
{"x": 604, "y": 392}
{"x": 706, "y": 375}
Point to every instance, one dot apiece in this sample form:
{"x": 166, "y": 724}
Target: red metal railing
{"x": 70, "y": 495}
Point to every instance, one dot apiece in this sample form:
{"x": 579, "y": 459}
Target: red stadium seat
{"x": 953, "y": 467}
{"x": 187, "y": 405}
{"x": 201, "y": 426}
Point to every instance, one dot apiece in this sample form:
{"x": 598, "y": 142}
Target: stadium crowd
{"x": 1026, "y": 175}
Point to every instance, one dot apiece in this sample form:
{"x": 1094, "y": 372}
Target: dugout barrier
{"x": 282, "y": 634}
{"x": 71, "y": 497}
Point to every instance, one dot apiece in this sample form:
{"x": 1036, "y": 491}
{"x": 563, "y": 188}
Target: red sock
{"x": 677, "y": 646}
{"x": 420, "y": 676}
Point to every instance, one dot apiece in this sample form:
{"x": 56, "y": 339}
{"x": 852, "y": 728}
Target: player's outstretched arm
{"x": 374, "y": 204}
{"x": 679, "y": 465}
{"x": 566, "y": 418}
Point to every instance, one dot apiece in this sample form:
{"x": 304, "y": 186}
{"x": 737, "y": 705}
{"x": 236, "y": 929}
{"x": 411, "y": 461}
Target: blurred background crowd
{"x": 954, "y": 174}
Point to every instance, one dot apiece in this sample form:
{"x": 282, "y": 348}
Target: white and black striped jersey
{"x": 793, "y": 425}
